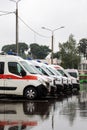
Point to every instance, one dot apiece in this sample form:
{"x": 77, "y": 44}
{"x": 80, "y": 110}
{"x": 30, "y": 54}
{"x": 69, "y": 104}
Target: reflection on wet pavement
{"x": 66, "y": 113}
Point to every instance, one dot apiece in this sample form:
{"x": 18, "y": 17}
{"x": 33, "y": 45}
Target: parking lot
{"x": 50, "y": 113}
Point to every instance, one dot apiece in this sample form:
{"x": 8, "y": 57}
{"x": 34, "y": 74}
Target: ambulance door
{"x": 2, "y": 78}
{"x": 14, "y": 82}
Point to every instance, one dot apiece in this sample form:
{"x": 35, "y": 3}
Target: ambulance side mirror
{"x": 23, "y": 73}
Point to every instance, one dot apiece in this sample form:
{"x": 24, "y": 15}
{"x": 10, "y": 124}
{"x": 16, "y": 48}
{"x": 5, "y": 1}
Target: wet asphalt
{"x": 68, "y": 112}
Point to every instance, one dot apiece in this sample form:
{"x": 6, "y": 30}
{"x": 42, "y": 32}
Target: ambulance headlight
{"x": 43, "y": 81}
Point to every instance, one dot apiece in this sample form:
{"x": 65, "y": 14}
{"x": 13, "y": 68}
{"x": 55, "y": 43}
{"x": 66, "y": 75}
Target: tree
{"x": 36, "y": 51}
{"x": 56, "y": 55}
{"x": 83, "y": 47}
{"x": 69, "y": 53}
{"x": 8, "y": 48}
{"x": 12, "y": 47}
{"x": 22, "y": 46}
{"x": 39, "y": 51}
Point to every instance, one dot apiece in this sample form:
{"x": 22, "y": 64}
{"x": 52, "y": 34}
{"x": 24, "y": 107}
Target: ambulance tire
{"x": 30, "y": 93}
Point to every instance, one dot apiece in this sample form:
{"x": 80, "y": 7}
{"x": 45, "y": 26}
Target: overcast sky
{"x": 51, "y": 14}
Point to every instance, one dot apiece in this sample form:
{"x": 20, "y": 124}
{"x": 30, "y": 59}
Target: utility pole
{"x": 17, "y": 28}
{"x": 17, "y": 47}
{"x": 52, "y": 39}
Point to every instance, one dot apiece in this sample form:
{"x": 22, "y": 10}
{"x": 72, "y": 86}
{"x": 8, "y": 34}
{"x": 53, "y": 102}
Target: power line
{"x": 32, "y": 29}
{"x": 5, "y": 13}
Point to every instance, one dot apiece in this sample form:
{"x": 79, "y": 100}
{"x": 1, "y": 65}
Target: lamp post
{"x": 52, "y": 39}
{"x": 17, "y": 49}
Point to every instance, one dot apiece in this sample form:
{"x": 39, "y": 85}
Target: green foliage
{"x": 8, "y": 48}
{"x": 56, "y": 55}
{"x": 83, "y": 47}
{"x": 39, "y": 52}
{"x": 21, "y": 47}
{"x": 69, "y": 53}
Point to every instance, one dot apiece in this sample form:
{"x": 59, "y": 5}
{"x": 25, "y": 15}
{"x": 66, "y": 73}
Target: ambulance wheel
{"x": 30, "y": 93}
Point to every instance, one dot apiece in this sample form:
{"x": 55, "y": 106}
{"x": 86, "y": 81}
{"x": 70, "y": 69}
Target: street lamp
{"x": 52, "y": 39}
{"x": 16, "y": 25}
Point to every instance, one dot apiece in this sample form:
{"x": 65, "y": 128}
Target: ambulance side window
{"x": 14, "y": 68}
{"x": 1, "y": 67}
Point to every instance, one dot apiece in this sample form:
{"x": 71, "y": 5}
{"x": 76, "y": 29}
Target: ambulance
{"x": 74, "y": 83}
{"x": 57, "y": 82}
{"x": 15, "y": 79}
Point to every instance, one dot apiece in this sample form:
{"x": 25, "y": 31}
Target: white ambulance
{"x": 56, "y": 84}
{"x": 72, "y": 80}
{"x": 15, "y": 79}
